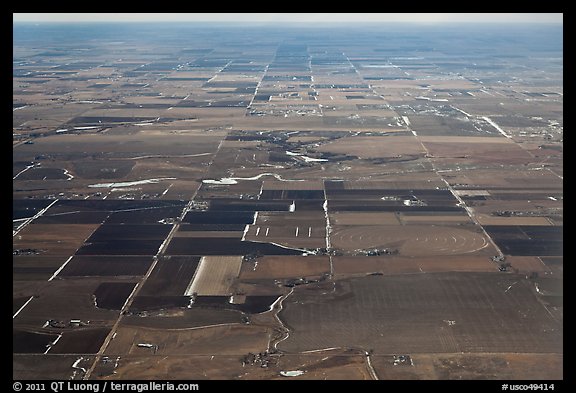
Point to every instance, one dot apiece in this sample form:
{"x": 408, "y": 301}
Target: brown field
{"x": 53, "y": 240}
{"x": 415, "y": 219}
{"x": 300, "y": 229}
{"x": 486, "y": 219}
{"x": 528, "y": 265}
{"x": 183, "y": 318}
{"x": 539, "y": 207}
{"x": 493, "y": 106}
{"x": 279, "y": 219}
{"x": 207, "y": 191}
{"x": 53, "y": 301}
{"x": 35, "y": 267}
{"x": 375, "y": 147}
{"x": 83, "y": 341}
{"x": 49, "y": 367}
{"x": 391, "y": 265}
{"x": 477, "y": 142}
{"x": 223, "y": 367}
{"x": 146, "y": 142}
{"x": 494, "y": 178}
{"x": 298, "y": 236}
{"x": 181, "y": 189}
{"x": 491, "y": 366}
{"x": 371, "y": 218}
{"x": 279, "y": 267}
{"x": 215, "y": 275}
{"x": 478, "y": 153}
{"x": 305, "y": 139}
{"x": 412, "y": 240}
{"x": 193, "y": 234}
{"x": 228, "y": 339}
{"x": 301, "y": 185}
{"x": 170, "y": 276}
{"x": 448, "y": 313}
{"x": 417, "y": 180}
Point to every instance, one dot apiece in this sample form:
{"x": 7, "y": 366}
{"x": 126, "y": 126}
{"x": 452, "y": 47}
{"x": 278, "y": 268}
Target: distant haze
{"x": 505, "y": 18}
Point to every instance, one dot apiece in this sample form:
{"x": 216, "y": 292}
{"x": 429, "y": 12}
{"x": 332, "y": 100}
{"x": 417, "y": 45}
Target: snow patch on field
{"x": 294, "y": 373}
{"x": 129, "y": 183}
{"x": 234, "y": 180}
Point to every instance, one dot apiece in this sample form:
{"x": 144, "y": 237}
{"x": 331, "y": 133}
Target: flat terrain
{"x": 215, "y": 276}
{"x": 441, "y": 313}
{"x": 413, "y": 240}
{"x": 198, "y": 201}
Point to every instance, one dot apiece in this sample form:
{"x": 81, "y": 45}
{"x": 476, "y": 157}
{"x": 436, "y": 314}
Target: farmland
{"x": 266, "y": 203}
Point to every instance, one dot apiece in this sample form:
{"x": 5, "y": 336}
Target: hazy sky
{"x": 290, "y": 17}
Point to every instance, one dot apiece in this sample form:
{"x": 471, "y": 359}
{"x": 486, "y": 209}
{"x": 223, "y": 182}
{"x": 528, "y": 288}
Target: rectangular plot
{"x": 279, "y": 267}
{"x": 531, "y": 247}
{"x": 309, "y": 205}
{"x": 121, "y": 247}
{"x": 34, "y": 367}
{"x": 543, "y": 232}
{"x": 130, "y": 231}
{"x": 144, "y": 216}
{"x": 298, "y": 185}
{"x": 224, "y": 246}
{"x": 97, "y": 265}
{"x": 219, "y": 217}
{"x": 211, "y": 227}
{"x": 63, "y": 241}
{"x": 380, "y": 206}
{"x": 205, "y": 234}
{"x": 486, "y": 219}
{"x": 23, "y": 208}
{"x": 81, "y": 341}
{"x": 113, "y": 295}
{"x": 35, "y": 267}
{"x": 215, "y": 275}
{"x": 433, "y": 218}
{"x": 292, "y": 194}
{"x": 451, "y": 312}
{"x": 170, "y": 277}
{"x": 430, "y": 196}
{"x": 362, "y": 218}
{"x": 77, "y": 217}
{"x": 528, "y": 240}
{"x": 115, "y": 204}
{"x": 553, "y": 260}
{"x": 150, "y": 303}
{"x": 249, "y": 206}
{"x": 31, "y": 342}
{"x": 392, "y": 265}
{"x": 290, "y": 235}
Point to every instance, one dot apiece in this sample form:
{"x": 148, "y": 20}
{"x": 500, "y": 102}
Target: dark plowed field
{"x": 84, "y": 341}
{"x": 524, "y": 240}
{"x": 219, "y": 217}
{"x": 108, "y": 232}
{"x": 112, "y": 295}
{"x": 106, "y": 266}
{"x": 152, "y": 303}
{"x": 31, "y": 342}
{"x": 24, "y": 208}
{"x": 121, "y": 247}
{"x": 224, "y": 246}
{"x": 171, "y": 276}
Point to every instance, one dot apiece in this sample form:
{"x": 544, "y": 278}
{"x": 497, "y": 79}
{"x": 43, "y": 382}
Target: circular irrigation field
{"x": 410, "y": 240}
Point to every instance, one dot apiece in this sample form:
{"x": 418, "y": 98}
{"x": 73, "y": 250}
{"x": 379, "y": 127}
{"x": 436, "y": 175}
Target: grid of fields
{"x": 208, "y": 201}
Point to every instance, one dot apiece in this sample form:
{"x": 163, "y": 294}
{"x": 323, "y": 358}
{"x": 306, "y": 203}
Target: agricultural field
{"x": 262, "y": 203}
